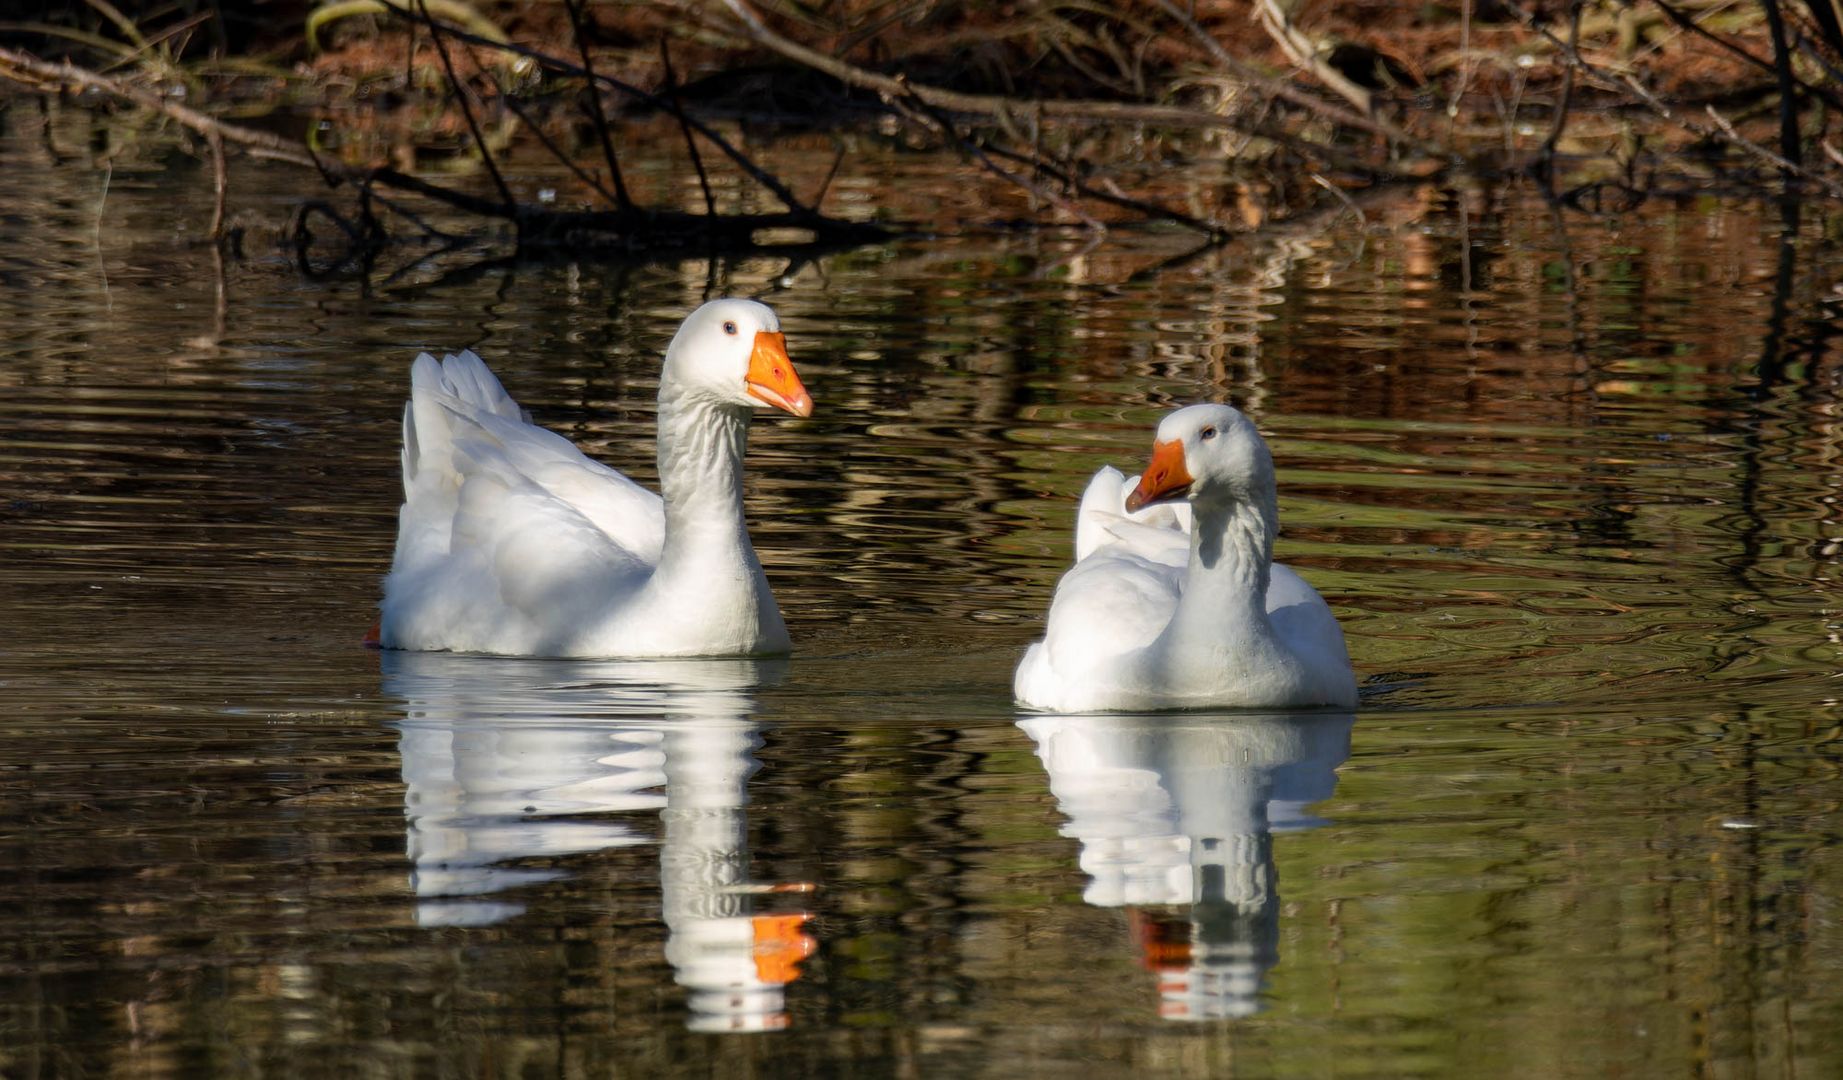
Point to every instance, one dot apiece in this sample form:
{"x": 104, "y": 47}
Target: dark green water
{"x": 1571, "y": 484}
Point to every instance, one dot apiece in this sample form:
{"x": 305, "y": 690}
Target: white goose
{"x": 1182, "y": 606}
{"x": 512, "y": 541}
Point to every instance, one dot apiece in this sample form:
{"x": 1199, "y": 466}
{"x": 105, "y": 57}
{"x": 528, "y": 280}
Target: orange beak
{"x": 772, "y": 379}
{"x": 1165, "y": 478}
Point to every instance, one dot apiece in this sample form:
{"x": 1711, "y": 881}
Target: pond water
{"x": 1570, "y": 482}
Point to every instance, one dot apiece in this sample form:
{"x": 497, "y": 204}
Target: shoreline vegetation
{"x": 1091, "y": 114}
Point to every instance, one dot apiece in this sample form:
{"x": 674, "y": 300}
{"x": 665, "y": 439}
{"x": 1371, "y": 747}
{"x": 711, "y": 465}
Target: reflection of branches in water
{"x": 1748, "y": 415}
{"x": 1610, "y": 516}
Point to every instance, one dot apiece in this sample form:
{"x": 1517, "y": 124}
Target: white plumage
{"x": 1180, "y": 605}
{"x": 512, "y": 541}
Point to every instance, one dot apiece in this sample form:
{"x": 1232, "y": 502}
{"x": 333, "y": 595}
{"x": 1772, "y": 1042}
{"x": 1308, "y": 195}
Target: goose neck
{"x": 701, "y": 444}
{"x": 1231, "y": 558}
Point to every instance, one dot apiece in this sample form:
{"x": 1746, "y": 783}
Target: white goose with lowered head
{"x": 1179, "y": 605}
{"x": 512, "y": 541}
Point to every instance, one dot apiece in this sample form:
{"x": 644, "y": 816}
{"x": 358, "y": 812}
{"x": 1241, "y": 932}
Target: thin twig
{"x": 946, "y": 126}
{"x": 1349, "y": 203}
{"x": 1114, "y": 198}
{"x": 563, "y": 67}
{"x": 622, "y": 202}
{"x": 691, "y": 144}
{"x": 1275, "y": 88}
{"x": 220, "y": 184}
{"x": 460, "y": 93}
{"x": 838, "y": 158}
{"x": 102, "y": 264}
{"x": 1722, "y": 131}
{"x": 1465, "y": 68}
{"x": 558, "y": 152}
{"x": 1559, "y": 122}
{"x": 395, "y": 207}
{"x": 1784, "y": 164}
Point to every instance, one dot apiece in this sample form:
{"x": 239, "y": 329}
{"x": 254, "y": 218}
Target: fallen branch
{"x": 916, "y": 106}
{"x": 467, "y": 111}
{"x": 562, "y": 67}
{"x": 1274, "y": 88}
{"x": 622, "y": 201}
{"x": 1304, "y": 54}
{"x": 1107, "y": 112}
{"x": 1722, "y": 130}
{"x": 634, "y": 228}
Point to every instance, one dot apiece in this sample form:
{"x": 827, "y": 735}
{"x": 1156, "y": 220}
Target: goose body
{"x": 1179, "y": 604}
{"x": 512, "y": 541}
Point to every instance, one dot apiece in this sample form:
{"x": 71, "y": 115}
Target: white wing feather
{"x": 503, "y": 523}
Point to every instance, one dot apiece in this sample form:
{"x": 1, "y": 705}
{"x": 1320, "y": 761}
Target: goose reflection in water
{"x": 1179, "y": 811}
{"x": 512, "y": 760}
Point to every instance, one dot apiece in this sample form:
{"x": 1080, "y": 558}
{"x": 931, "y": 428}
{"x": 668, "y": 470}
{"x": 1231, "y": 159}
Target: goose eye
{"x": 729, "y": 328}
{"x": 1208, "y": 433}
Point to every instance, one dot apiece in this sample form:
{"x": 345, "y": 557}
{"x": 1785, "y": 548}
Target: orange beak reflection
{"x": 1164, "y": 479}
{"x": 780, "y": 945}
{"x": 772, "y": 379}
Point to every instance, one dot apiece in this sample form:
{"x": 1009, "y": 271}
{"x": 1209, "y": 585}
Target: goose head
{"x": 733, "y": 350}
{"x": 1206, "y": 454}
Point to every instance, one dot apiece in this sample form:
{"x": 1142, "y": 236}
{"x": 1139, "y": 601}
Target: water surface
{"x": 1570, "y": 482}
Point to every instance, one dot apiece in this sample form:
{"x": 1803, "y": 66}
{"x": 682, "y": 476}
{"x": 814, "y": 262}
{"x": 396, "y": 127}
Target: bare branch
{"x": 460, "y": 93}
{"x": 1112, "y": 112}
{"x": 656, "y": 228}
{"x": 691, "y": 144}
{"x": 1275, "y": 88}
{"x": 1151, "y": 210}
{"x": 946, "y": 127}
{"x": 622, "y": 202}
{"x": 558, "y": 152}
{"x": 1302, "y": 52}
{"x": 553, "y": 64}
{"x": 1722, "y": 131}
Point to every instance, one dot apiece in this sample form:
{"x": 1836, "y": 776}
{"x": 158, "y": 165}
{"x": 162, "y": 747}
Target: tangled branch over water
{"x": 1213, "y": 117}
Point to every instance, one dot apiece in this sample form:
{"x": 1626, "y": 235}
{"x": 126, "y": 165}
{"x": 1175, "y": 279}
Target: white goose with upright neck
{"x": 1182, "y": 606}
{"x": 512, "y": 541}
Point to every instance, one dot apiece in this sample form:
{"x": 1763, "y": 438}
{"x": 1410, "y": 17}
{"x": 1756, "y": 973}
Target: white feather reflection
{"x": 509, "y": 762}
{"x": 1178, "y": 810}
